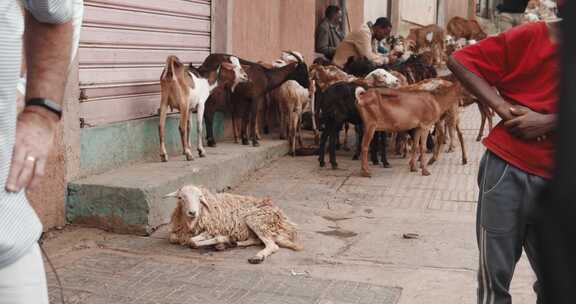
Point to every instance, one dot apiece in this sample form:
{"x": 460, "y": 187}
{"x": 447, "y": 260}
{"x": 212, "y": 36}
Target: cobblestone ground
{"x": 352, "y": 229}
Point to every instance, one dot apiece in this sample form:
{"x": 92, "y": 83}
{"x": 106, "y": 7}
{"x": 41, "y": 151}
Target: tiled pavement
{"x": 351, "y": 228}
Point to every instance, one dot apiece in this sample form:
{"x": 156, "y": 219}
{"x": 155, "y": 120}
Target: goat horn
{"x": 173, "y": 194}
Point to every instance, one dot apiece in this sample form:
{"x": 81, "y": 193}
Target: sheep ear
{"x": 173, "y": 194}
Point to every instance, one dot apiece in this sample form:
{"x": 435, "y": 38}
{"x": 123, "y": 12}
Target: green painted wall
{"x": 114, "y": 145}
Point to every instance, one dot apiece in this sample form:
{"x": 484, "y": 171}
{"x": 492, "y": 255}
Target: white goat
{"x": 186, "y": 91}
{"x": 293, "y": 100}
{"x": 202, "y": 218}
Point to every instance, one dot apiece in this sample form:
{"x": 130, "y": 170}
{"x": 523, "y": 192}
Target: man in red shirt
{"x": 515, "y": 73}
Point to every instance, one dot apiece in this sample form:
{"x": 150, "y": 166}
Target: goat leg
{"x": 383, "y": 146}
{"x": 322, "y": 146}
{"x": 462, "y": 146}
{"x": 423, "y": 163}
{"x": 200, "y": 130}
{"x": 483, "y": 118}
{"x": 332, "y": 148}
{"x": 161, "y": 129}
{"x": 184, "y": 128}
{"x": 366, "y": 139}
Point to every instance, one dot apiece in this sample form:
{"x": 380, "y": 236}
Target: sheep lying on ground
{"x": 202, "y": 218}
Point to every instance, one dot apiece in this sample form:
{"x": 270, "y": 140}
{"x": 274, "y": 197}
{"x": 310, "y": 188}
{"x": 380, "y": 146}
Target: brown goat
{"x": 249, "y": 96}
{"x": 430, "y": 37}
{"x": 186, "y": 91}
{"x": 459, "y": 27}
{"x": 402, "y": 110}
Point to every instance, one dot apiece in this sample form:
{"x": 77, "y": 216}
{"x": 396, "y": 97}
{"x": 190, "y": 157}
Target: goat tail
{"x": 359, "y": 91}
{"x": 168, "y": 72}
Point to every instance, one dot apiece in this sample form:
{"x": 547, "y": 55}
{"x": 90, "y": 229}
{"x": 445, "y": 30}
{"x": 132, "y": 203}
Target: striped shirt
{"x": 20, "y": 227}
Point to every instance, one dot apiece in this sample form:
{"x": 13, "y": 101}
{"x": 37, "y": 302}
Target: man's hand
{"x": 35, "y": 131}
{"x": 527, "y": 124}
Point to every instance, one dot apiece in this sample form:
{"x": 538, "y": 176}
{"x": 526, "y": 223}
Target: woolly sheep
{"x": 202, "y": 218}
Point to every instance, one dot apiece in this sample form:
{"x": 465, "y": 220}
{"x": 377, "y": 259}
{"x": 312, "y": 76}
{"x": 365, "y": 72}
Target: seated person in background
{"x": 509, "y": 14}
{"x": 360, "y": 43}
{"x": 328, "y": 33}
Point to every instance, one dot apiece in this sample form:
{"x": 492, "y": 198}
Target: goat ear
{"x": 173, "y": 194}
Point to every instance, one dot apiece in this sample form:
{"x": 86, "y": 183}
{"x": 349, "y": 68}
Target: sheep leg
{"x": 423, "y": 162}
{"x": 366, "y": 139}
{"x": 200, "y": 129}
{"x": 249, "y": 242}
{"x": 220, "y": 239}
{"x": 270, "y": 246}
{"x": 162, "y": 127}
{"x": 193, "y": 241}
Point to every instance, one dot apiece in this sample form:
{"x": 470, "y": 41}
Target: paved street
{"x": 352, "y": 229}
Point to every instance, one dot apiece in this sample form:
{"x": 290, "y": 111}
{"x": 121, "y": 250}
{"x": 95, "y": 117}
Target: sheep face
{"x": 190, "y": 200}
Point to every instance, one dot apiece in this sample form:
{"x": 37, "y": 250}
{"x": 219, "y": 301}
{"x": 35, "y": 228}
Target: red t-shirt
{"x": 522, "y": 64}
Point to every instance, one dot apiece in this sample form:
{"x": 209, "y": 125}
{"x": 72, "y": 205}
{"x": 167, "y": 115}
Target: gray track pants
{"x": 505, "y": 225}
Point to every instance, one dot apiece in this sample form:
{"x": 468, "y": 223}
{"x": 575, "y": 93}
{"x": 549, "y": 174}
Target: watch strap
{"x": 47, "y": 104}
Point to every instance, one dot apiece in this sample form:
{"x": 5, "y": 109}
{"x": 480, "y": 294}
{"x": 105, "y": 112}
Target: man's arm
{"x": 47, "y": 58}
{"x": 520, "y": 121}
{"x": 481, "y": 89}
{"x": 365, "y": 48}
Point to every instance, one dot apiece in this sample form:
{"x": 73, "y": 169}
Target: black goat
{"x": 338, "y": 106}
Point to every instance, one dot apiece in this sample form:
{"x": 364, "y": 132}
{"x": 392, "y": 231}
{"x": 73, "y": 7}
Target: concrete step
{"x": 130, "y": 200}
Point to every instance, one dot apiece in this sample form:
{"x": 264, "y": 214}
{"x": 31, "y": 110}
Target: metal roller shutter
{"x": 123, "y": 47}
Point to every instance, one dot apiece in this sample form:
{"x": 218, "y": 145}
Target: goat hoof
{"x": 366, "y": 174}
{"x": 413, "y": 169}
{"x": 386, "y": 165}
{"x": 431, "y": 161}
{"x": 256, "y": 260}
{"x": 334, "y": 166}
{"x": 266, "y": 130}
{"x": 164, "y": 158}
{"x": 464, "y": 161}
{"x": 201, "y": 153}
{"x": 479, "y": 138}
{"x": 322, "y": 164}
{"x": 375, "y": 162}
{"x": 425, "y": 172}
{"x": 255, "y": 143}
{"x": 211, "y": 143}
{"x": 355, "y": 157}
{"x": 245, "y": 142}
{"x": 189, "y": 157}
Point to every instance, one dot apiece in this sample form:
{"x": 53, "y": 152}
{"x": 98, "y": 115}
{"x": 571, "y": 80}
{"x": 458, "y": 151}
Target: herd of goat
{"x": 405, "y": 99}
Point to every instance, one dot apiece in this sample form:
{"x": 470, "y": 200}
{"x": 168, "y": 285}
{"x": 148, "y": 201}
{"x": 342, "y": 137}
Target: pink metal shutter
{"x": 123, "y": 47}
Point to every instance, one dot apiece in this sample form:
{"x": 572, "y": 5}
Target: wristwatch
{"x": 47, "y": 104}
